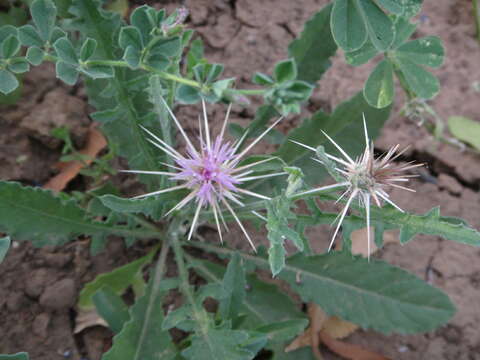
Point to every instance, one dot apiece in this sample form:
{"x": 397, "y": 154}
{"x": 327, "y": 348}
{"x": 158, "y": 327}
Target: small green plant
{"x": 136, "y": 73}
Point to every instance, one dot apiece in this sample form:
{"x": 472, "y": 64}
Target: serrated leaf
{"x": 10, "y": 47}
{"x": 431, "y": 223}
{"x": 426, "y": 51}
{"x": 117, "y": 280}
{"x": 19, "y": 66}
{"x": 29, "y": 37}
{"x": 285, "y": 70}
{"x": 37, "y": 215}
{"x": 142, "y": 337}
{"x": 17, "y": 356}
{"x": 348, "y": 286}
{"x": 88, "y": 49}
{"x": 4, "y": 246}
{"x": 44, "y": 14}
{"x": 35, "y": 55}
{"x": 65, "y": 51}
{"x": 8, "y": 82}
{"x": 379, "y": 90}
{"x": 465, "y": 129}
{"x": 66, "y": 72}
{"x": 111, "y": 308}
{"x": 380, "y": 27}
{"x": 423, "y": 83}
{"x": 311, "y": 52}
{"x": 348, "y": 26}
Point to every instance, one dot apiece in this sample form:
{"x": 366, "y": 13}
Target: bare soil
{"x": 39, "y": 287}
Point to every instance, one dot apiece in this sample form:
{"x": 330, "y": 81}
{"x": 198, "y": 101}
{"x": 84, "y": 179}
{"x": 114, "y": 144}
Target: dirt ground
{"x": 249, "y": 35}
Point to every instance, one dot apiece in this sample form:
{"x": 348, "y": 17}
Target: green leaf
{"x": 10, "y": 47}
{"x": 35, "y": 55}
{"x": 426, "y": 51}
{"x": 153, "y": 206}
{"x": 279, "y": 332}
{"x": 44, "y": 14}
{"x": 28, "y": 36}
{"x": 19, "y": 66}
{"x": 130, "y": 36}
{"x": 111, "y": 308}
{"x": 423, "y": 83}
{"x": 6, "y": 31}
{"x": 157, "y": 61}
{"x": 117, "y": 280}
{"x": 41, "y": 217}
{"x": 142, "y": 337}
{"x": 392, "y": 6}
{"x": 348, "y": 26}
{"x": 363, "y": 55}
{"x": 285, "y": 70}
{"x": 379, "y": 26}
{"x": 98, "y": 71}
{"x": 278, "y": 218}
{"x": 262, "y": 79}
{"x": 132, "y": 56}
{"x": 372, "y": 294}
{"x": 170, "y": 47}
{"x": 17, "y": 356}
{"x": 88, "y": 49}
{"x": 65, "y": 51}
{"x": 431, "y": 223}
{"x": 143, "y": 18}
{"x": 379, "y": 90}
{"x": 219, "y": 344}
{"x": 4, "y": 246}
{"x": 188, "y": 94}
{"x": 8, "y": 82}
{"x": 233, "y": 286}
{"x": 403, "y": 30}
{"x": 66, "y": 72}
{"x": 465, "y": 129}
{"x": 411, "y": 8}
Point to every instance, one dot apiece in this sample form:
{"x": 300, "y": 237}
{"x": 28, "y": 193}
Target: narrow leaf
{"x": 117, "y": 280}
{"x": 111, "y": 308}
{"x": 233, "y": 286}
{"x": 4, "y": 246}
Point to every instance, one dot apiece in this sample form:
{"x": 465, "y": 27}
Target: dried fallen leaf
{"x": 338, "y": 328}
{"x": 349, "y": 351}
{"x": 95, "y": 143}
{"x": 86, "y": 319}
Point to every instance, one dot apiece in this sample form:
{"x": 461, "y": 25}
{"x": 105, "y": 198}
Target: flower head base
{"x": 366, "y": 178}
{"x": 211, "y": 172}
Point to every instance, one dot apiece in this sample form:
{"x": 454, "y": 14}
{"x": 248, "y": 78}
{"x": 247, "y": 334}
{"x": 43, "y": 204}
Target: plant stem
{"x": 199, "y": 312}
{"x": 476, "y": 14}
{"x": 160, "y": 266}
{"x": 251, "y": 91}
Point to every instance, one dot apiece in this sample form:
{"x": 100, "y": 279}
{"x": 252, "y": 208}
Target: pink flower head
{"x": 211, "y": 172}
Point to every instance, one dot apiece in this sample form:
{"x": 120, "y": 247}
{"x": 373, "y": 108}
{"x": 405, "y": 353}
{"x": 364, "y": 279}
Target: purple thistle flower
{"x": 211, "y": 172}
{"x": 366, "y": 178}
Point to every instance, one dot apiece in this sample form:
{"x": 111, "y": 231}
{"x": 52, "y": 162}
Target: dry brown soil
{"x": 39, "y": 286}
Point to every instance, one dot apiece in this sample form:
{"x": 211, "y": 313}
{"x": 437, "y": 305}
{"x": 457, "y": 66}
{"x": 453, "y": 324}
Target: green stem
{"x": 172, "y": 77}
{"x": 250, "y": 91}
{"x": 199, "y": 312}
{"x": 476, "y": 14}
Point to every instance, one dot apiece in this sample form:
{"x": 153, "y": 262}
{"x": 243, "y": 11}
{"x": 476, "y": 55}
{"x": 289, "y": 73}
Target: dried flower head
{"x": 366, "y": 178}
{"x": 211, "y": 172}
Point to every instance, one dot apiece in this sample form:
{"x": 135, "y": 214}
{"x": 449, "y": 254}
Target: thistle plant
{"x": 137, "y": 73}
